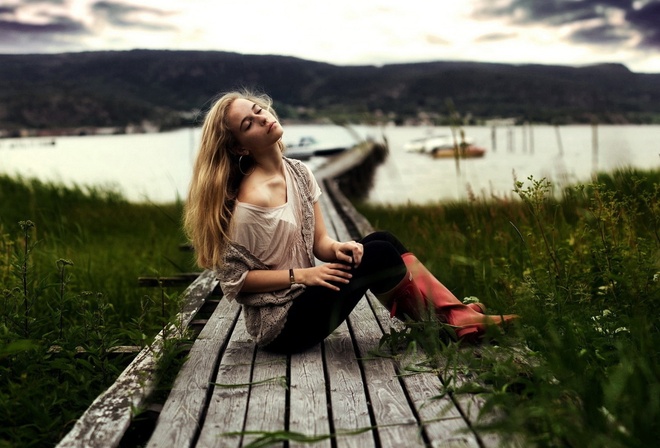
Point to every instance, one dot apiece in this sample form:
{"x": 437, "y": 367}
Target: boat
{"x": 426, "y": 144}
{"x": 308, "y": 147}
{"x": 462, "y": 151}
{"x": 443, "y": 146}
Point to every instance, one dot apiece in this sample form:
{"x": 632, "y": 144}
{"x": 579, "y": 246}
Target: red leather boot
{"x": 420, "y": 292}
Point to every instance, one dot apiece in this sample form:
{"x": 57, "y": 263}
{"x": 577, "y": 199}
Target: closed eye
{"x": 257, "y": 111}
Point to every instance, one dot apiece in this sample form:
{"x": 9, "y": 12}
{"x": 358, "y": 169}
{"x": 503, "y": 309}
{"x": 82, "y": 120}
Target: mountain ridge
{"x": 169, "y": 88}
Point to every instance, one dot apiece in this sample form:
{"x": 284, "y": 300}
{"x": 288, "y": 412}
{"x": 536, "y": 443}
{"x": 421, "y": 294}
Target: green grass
{"x": 69, "y": 262}
{"x": 582, "y": 268}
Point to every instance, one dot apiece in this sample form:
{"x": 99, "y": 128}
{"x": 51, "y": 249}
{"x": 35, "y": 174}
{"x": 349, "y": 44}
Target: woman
{"x": 253, "y": 215}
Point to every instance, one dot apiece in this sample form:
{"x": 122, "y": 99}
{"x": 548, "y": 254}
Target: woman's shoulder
{"x": 299, "y": 167}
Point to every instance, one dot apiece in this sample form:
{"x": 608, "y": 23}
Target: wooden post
{"x": 561, "y": 147}
{"x": 493, "y": 137}
{"x": 594, "y": 147}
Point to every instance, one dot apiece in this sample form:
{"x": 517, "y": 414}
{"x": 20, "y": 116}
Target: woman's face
{"x": 254, "y": 127}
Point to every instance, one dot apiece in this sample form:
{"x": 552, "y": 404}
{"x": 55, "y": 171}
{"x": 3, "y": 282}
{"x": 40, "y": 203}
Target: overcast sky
{"x": 566, "y": 32}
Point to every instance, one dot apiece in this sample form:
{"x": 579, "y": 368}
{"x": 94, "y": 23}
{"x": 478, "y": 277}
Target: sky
{"x": 348, "y": 32}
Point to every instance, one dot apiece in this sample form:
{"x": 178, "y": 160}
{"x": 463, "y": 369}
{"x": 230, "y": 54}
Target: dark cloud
{"x": 46, "y": 29}
{"x": 552, "y": 12}
{"x": 58, "y": 26}
{"x": 48, "y": 25}
{"x": 496, "y": 37}
{"x": 124, "y": 16}
{"x": 55, "y": 32}
{"x": 599, "y": 34}
{"x": 594, "y": 16}
{"x": 647, "y": 19}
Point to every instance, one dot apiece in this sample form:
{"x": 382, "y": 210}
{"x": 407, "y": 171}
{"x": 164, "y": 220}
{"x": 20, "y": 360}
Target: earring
{"x": 240, "y": 159}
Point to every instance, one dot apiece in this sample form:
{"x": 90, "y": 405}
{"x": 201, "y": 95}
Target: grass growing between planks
{"x": 582, "y": 268}
{"x": 69, "y": 262}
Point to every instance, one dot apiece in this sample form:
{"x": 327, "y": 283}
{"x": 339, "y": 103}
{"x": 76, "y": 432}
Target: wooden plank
{"x": 229, "y": 399}
{"x": 267, "y": 404}
{"x": 349, "y": 406}
{"x": 106, "y": 420}
{"x": 179, "y": 420}
{"x": 395, "y": 420}
{"x": 360, "y": 222}
{"x": 172, "y": 280}
{"x": 334, "y": 224}
{"x": 308, "y": 407}
{"x": 467, "y": 407}
{"x": 344, "y": 161}
{"x": 443, "y": 423}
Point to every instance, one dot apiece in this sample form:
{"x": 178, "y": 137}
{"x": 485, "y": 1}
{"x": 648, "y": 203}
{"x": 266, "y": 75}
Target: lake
{"x": 157, "y": 167}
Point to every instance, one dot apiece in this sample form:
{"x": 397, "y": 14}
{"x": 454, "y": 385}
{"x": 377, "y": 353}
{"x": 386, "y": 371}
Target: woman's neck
{"x": 271, "y": 162}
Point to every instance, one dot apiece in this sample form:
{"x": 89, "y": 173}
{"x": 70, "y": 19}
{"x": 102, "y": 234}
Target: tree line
{"x": 170, "y": 88}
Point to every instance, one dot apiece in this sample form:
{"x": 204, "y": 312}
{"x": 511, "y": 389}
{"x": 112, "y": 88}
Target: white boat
{"x": 431, "y": 144}
{"x": 308, "y": 147}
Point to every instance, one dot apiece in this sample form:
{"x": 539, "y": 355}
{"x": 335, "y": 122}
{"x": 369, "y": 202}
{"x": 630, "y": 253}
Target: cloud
{"x": 41, "y": 27}
{"x": 593, "y": 21}
{"x": 124, "y": 15}
{"x": 60, "y": 25}
{"x": 436, "y": 40}
{"x": 647, "y": 20}
{"x": 54, "y": 25}
{"x": 551, "y": 12}
{"x": 496, "y": 37}
{"x": 601, "y": 34}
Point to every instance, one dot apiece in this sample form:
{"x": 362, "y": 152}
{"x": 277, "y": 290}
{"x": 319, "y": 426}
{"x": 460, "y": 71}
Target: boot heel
{"x": 467, "y": 333}
{"x": 478, "y": 307}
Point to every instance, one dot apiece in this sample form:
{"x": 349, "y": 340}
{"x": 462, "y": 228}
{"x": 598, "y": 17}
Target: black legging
{"x": 319, "y": 310}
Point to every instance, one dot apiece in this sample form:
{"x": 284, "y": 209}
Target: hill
{"x": 169, "y": 88}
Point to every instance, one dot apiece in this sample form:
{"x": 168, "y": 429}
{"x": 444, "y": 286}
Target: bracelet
{"x": 292, "y": 279}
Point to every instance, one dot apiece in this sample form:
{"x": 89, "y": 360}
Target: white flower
{"x": 470, "y": 299}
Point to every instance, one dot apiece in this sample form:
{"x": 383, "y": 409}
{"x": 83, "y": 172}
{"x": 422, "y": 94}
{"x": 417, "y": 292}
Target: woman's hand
{"x": 349, "y": 252}
{"x": 323, "y": 274}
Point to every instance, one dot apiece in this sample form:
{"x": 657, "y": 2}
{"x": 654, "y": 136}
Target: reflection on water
{"x": 157, "y": 167}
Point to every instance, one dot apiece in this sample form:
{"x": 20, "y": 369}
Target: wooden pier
{"x": 229, "y": 393}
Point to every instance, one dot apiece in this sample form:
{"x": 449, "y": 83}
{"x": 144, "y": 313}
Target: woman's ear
{"x": 239, "y": 151}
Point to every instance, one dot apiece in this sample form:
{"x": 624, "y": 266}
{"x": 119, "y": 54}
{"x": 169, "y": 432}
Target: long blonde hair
{"x": 216, "y": 179}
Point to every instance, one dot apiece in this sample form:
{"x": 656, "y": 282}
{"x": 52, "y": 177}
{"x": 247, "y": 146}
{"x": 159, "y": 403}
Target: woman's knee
{"x": 387, "y": 237}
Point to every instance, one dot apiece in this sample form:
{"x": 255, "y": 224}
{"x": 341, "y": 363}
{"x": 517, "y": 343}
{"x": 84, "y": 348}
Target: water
{"x": 564, "y": 156}
{"x": 157, "y": 167}
{"x": 143, "y": 167}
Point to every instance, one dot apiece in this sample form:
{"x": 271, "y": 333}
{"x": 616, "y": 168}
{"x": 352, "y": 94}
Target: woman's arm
{"x": 328, "y": 249}
{"x": 339, "y": 258}
{"x": 267, "y": 280}
{"x": 325, "y": 248}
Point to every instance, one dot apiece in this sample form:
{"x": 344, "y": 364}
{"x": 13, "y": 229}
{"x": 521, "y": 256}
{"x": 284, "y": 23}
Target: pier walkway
{"x": 229, "y": 393}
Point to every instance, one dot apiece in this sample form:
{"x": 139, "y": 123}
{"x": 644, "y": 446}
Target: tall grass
{"x": 582, "y": 268}
{"x": 69, "y": 262}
